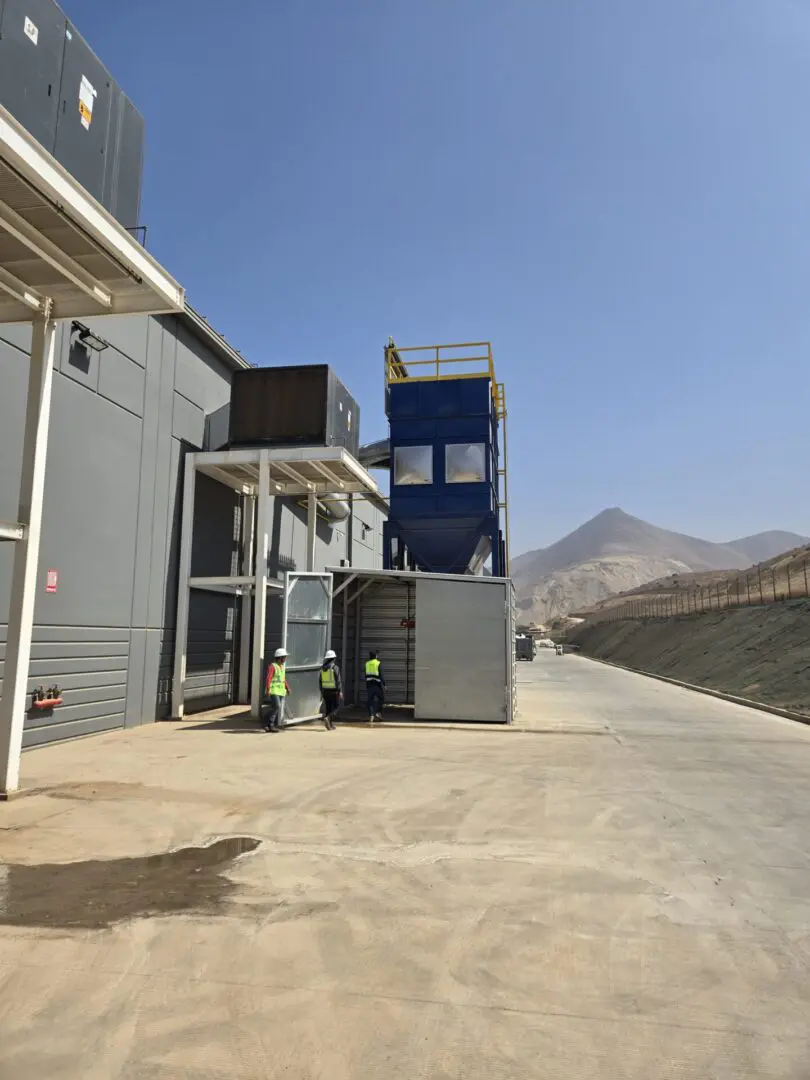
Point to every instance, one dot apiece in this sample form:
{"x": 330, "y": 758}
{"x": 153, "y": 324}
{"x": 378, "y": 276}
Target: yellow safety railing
{"x": 431, "y": 363}
{"x": 503, "y": 472}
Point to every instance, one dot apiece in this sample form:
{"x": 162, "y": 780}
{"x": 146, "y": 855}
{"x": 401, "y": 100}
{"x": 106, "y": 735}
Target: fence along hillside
{"x": 787, "y": 577}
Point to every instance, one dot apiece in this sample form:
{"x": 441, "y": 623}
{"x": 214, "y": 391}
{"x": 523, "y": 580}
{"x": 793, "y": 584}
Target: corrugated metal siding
{"x": 461, "y": 626}
{"x": 346, "y": 657}
{"x": 89, "y": 664}
{"x": 384, "y": 608}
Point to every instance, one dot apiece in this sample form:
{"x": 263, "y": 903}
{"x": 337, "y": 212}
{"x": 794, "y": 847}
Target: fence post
{"x": 748, "y": 588}
{"x": 790, "y": 594}
{"x": 759, "y": 579}
{"x": 773, "y": 583}
{"x": 806, "y": 587}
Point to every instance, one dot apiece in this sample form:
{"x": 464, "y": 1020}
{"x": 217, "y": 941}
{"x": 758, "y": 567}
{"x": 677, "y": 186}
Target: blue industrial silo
{"x": 448, "y": 477}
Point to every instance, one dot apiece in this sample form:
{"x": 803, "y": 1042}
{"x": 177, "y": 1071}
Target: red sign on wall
{"x": 52, "y": 581}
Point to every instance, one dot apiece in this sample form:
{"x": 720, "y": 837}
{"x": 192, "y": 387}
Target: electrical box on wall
{"x": 54, "y": 85}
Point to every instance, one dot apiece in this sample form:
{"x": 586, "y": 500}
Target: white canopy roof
{"x": 57, "y": 242}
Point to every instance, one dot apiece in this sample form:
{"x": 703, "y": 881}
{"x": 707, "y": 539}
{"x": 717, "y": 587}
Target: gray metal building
{"x": 124, "y": 410}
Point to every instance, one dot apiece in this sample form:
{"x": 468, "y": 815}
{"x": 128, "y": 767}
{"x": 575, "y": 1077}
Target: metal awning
{"x": 259, "y": 473}
{"x": 62, "y": 256}
{"x": 57, "y": 243}
{"x": 309, "y": 470}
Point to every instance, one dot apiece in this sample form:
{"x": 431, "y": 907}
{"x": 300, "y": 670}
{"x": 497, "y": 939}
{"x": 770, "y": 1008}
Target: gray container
{"x": 85, "y": 107}
{"x": 293, "y": 406}
{"x": 32, "y": 46}
{"x": 56, "y": 87}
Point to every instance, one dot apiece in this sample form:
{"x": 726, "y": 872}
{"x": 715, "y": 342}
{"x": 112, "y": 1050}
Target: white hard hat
{"x": 279, "y": 654}
{"x": 330, "y": 654}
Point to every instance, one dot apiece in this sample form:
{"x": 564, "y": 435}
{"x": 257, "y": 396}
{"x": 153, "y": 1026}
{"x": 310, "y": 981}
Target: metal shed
{"x": 446, "y": 642}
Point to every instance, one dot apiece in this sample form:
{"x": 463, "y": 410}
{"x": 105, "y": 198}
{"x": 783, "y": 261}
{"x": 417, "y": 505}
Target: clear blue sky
{"x": 616, "y": 193}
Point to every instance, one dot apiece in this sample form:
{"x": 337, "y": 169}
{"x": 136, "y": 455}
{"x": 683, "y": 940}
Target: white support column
{"x": 245, "y": 604}
{"x": 26, "y": 553}
{"x": 183, "y": 588}
{"x": 312, "y": 519}
{"x": 260, "y": 590}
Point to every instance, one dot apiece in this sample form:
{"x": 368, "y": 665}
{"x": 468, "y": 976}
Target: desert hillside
{"x": 614, "y": 552}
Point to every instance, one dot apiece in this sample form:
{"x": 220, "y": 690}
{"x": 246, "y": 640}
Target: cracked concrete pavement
{"x": 617, "y": 887}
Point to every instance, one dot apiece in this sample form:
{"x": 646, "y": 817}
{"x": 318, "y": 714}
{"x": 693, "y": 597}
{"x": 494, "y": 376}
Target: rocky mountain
{"x": 615, "y": 551}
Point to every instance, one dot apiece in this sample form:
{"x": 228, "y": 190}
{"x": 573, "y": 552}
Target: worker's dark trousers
{"x": 330, "y": 703}
{"x": 273, "y": 712}
{"x": 375, "y": 698}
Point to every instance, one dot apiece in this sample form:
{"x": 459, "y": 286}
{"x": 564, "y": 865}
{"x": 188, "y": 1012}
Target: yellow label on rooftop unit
{"x": 87, "y": 95}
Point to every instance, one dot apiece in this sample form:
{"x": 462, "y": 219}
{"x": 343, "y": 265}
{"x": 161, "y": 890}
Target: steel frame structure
{"x": 258, "y": 474}
{"x": 62, "y": 256}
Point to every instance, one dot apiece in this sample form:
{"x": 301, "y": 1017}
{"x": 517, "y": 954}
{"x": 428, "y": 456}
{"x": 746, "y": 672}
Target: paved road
{"x": 617, "y": 889}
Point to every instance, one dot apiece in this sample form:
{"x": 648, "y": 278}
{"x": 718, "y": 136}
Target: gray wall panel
{"x": 448, "y": 650}
{"x": 42, "y": 736}
{"x": 188, "y": 421}
{"x": 90, "y": 511}
{"x": 149, "y": 468}
{"x": 126, "y": 333}
{"x": 199, "y": 376}
{"x": 18, "y": 334}
{"x": 165, "y": 480}
{"x": 121, "y": 423}
{"x": 134, "y": 707}
{"x": 121, "y": 381}
{"x": 78, "y": 362}
{"x": 13, "y": 390}
{"x": 154, "y": 697}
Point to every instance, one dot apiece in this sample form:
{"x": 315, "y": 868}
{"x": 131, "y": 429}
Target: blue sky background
{"x": 616, "y": 193}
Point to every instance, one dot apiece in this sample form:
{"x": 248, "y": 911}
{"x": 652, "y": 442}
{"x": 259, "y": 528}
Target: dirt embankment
{"x": 762, "y": 653}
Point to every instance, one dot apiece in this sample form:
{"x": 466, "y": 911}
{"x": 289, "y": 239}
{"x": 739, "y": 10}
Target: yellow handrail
{"x": 438, "y": 360}
{"x": 503, "y": 472}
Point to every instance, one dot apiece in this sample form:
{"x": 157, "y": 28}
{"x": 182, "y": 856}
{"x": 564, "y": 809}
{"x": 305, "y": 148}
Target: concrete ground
{"x": 619, "y": 887}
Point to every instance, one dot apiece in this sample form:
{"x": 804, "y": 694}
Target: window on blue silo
{"x": 413, "y": 465}
{"x": 465, "y": 463}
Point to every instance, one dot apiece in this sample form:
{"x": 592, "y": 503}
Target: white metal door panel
{"x": 307, "y": 632}
{"x": 461, "y": 659}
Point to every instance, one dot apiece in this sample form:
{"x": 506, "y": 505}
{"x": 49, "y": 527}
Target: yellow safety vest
{"x": 328, "y": 681}
{"x": 372, "y": 669}
{"x": 278, "y": 684}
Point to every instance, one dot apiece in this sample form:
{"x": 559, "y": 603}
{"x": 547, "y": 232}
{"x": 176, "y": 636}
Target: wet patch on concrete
{"x": 96, "y": 893}
{"x": 101, "y": 790}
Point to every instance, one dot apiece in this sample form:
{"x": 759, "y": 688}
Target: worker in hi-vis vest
{"x": 276, "y": 689}
{"x": 375, "y": 687}
{"x": 331, "y": 689}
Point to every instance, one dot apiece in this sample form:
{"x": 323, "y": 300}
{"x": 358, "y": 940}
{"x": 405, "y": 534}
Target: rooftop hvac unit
{"x": 293, "y": 406}
{"x": 54, "y": 85}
